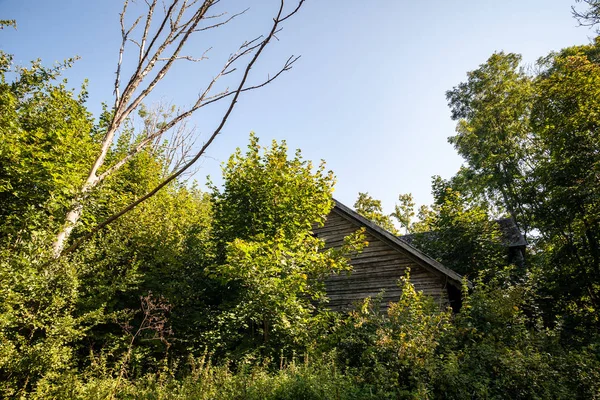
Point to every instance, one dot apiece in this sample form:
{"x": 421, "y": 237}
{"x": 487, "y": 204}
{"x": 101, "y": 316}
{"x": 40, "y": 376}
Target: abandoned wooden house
{"x": 381, "y": 264}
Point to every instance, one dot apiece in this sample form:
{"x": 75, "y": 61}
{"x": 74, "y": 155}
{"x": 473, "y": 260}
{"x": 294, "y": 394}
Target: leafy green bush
{"x": 491, "y": 349}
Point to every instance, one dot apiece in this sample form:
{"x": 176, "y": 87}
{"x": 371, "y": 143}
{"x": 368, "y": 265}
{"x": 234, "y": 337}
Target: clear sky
{"x": 367, "y": 95}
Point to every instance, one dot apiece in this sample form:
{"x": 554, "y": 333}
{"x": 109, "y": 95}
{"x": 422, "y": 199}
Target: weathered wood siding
{"x": 377, "y": 268}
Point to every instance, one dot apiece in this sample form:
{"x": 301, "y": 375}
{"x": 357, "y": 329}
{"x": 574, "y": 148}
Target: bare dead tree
{"x": 166, "y": 28}
{"x": 175, "y": 147}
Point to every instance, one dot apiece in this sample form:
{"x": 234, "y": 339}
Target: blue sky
{"x": 367, "y": 96}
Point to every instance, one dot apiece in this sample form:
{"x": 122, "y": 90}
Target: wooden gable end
{"x": 377, "y": 268}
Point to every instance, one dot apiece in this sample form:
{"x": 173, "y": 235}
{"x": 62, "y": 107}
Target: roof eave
{"x": 455, "y": 278}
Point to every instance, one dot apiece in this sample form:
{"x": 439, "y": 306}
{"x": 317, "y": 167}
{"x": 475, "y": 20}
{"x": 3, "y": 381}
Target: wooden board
{"x": 378, "y": 268}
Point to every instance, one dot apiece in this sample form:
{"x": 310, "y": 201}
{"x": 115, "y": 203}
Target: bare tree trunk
{"x": 70, "y": 220}
{"x": 181, "y": 19}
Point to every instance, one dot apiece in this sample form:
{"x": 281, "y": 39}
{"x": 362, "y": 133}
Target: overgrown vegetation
{"x": 220, "y": 294}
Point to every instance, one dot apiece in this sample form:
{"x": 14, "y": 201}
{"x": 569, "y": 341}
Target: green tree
{"x": 457, "y": 231}
{"x": 565, "y": 119}
{"x": 405, "y": 211}
{"x": 46, "y": 138}
{"x": 372, "y": 209}
{"x": 530, "y": 142}
{"x": 54, "y": 314}
{"x": 493, "y": 132}
{"x": 161, "y": 248}
{"x": 267, "y": 256}
{"x": 460, "y": 235}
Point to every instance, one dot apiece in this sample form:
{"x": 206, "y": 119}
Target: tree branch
{"x": 235, "y": 95}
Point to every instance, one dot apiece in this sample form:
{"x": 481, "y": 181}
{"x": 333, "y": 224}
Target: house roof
{"x": 511, "y": 236}
{"x": 382, "y": 234}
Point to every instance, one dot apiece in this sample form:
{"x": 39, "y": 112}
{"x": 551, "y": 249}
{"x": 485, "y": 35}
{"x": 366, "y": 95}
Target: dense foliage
{"x": 220, "y": 294}
{"x": 531, "y": 145}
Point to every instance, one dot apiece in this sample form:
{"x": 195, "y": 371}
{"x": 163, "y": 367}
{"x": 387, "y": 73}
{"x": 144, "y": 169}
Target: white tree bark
{"x": 163, "y": 44}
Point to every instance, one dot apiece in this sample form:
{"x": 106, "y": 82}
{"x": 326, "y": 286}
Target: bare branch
{"x": 140, "y": 71}
{"x": 120, "y": 113}
{"x": 146, "y": 27}
{"x": 288, "y": 65}
{"x": 208, "y": 100}
{"x": 124, "y": 35}
{"x": 584, "y": 16}
{"x": 135, "y": 42}
{"x": 188, "y": 58}
{"x": 181, "y": 138}
{"x": 293, "y": 12}
{"x": 177, "y": 149}
{"x": 235, "y": 95}
{"x": 221, "y": 23}
{"x": 589, "y": 17}
{"x": 160, "y": 75}
{"x": 215, "y": 16}
{"x": 203, "y": 100}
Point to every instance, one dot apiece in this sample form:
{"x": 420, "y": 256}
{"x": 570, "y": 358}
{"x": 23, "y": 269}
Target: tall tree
{"x": 165, "y": 31}
{"x": 533, "y": 139}
{"x": 46, "y": 143}
{"x": 493, "y": 133}
{"x": 567, "y": 125}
